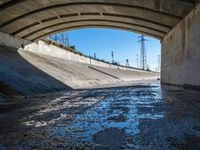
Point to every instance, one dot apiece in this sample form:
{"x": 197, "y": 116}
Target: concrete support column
{"x": 181, "y": 52}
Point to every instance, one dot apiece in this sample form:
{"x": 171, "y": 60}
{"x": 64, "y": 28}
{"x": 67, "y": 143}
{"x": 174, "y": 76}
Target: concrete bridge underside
{"x": 171, "y": 21}
{"x": 34, "y": 19}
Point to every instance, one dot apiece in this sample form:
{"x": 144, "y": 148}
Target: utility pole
{"x": 143, "y": 57}
{"x": 112, "y": 54}
{"x": 127, "y": 62}
{"x": 94, "y": 55}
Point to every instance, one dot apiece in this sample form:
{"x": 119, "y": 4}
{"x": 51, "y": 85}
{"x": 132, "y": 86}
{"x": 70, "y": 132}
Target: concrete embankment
{"x": 31, "y": 73}
{"x": 19, "y": 76}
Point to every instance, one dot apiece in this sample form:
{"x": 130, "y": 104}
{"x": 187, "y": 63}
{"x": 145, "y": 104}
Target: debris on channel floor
{"x": 139, "y": 117}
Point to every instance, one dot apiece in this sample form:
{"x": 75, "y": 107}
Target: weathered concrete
{"x": 41, "y": 47}
{"x": 181, "y": 52}
{"x": 34, "y": 19}
{"x": 18, "y": 75}
{"x": 11, "y": 41}
{"x": 30, "y": 73}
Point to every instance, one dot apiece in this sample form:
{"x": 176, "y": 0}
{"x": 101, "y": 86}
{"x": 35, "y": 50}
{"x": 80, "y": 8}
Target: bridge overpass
{"x": 139, "y": 117}
{"x": 176, "y": 23}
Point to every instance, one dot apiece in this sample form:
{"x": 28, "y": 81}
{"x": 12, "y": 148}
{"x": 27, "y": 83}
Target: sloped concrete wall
{"x": 27, "y": 73}
{"x": 41, "y": 47}
{"x": 19, "y": 77}
{"x": 181, "y": 52}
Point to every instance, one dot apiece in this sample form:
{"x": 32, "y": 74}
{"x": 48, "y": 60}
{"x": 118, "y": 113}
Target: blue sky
{"x": 124, "y": 44}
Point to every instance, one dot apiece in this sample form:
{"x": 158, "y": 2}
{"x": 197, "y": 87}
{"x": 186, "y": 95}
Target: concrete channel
{"x": 135, "y": 117}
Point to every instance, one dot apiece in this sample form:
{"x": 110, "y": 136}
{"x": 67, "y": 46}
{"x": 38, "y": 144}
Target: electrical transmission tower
{"x": 143, "y": 57}
{"x": 62, "y": 38}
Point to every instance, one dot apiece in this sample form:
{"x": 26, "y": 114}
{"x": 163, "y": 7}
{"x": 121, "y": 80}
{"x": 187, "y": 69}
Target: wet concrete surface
{"x": 138, "y": 117}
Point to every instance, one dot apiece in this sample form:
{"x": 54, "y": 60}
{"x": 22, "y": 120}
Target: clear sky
{"x": 124, "y": 44}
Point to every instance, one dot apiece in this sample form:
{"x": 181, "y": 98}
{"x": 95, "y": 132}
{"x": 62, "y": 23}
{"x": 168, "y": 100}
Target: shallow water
{"x": 138, "y": 117}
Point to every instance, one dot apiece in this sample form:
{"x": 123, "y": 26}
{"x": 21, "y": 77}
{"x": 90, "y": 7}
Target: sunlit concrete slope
{"x": 74, "y": 74}
{"x": 80, "y": 75}
{"x": 29, "y": 73}
{"x": 127, "y": 75}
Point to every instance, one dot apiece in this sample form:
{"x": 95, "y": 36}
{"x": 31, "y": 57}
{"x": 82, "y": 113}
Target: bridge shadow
{"x": 19, "y": 77}
{"x": 172, "y": 121}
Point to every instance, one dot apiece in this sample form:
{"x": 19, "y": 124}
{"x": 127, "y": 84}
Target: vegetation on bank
{"x": 67, "y": 48}
{"x": 72, "y": 49}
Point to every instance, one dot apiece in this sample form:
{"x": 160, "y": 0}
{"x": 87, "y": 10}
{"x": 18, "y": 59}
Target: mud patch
{"x": 112, "y": 138}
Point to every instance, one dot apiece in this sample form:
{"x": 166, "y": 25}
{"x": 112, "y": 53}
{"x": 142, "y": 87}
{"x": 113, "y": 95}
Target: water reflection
{"x": 139, "y": 117}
